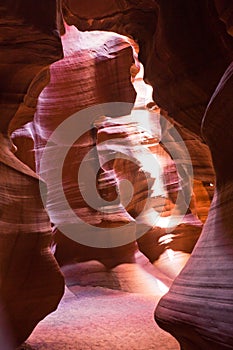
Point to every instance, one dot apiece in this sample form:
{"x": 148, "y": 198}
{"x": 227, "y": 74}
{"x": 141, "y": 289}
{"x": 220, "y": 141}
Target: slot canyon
{"x": 116, "y": 175}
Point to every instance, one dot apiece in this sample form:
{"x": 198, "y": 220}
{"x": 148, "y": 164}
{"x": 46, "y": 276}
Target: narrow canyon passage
{"x": 111, "y": 310}
{"x": 116, "y": 176}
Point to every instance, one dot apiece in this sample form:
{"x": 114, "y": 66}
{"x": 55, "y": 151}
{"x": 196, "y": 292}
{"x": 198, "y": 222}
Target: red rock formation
{"x": 185, "y": 50}
{"x": 31, "y": 283}
{"x": 88, "y": 58}
{"x": 225, "y": 10}
{"x": 131, "y": 135}
{"x": 57, "y": 103}
{"x": 35, "y": 34}
{"x": 24, "y": 143}
{"x": 125, "y": 20}
{"x": 27, "y": 265}
{"x": 174, "y": 33}
{"x": 198, "y": 308}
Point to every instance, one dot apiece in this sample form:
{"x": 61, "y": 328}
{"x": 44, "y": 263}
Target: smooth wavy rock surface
{"x": 198, "y": 309}
{"x": 105, "y": 58}
{"x": 183, "y": 46}
{"x": 31, "y": 283}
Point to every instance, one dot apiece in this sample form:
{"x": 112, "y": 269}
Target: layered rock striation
{"x": 31, "y": 283}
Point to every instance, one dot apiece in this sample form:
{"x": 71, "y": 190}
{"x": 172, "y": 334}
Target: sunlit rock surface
{"x": 152, "y": 200}
{"x": 185, "y": 50}
{"x": 136, "y": 136}
{"x": 95, "y": 69}
{"x": 184, "y": 47}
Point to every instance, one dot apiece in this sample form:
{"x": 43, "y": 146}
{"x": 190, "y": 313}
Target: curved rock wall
{"x": 31, "y": 283}
{"x": 198, "y": 308}
{"x": 184, "y": 47}
{"x": 88, "y": 57}
{"x": 185, "y": 50}
{"x": 92, "y": 57}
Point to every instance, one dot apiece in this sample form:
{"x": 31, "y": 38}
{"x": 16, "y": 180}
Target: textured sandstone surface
{"x": 71, "y": 90}
{"x": 202, "y": 294}
{"x": 23, "y": 57}
{"x": 198, "y": 308}
{"x": 185, "y": 49}
{"x": 27, "y": 265}
{"x": 86, "y": 57}
{"x": 31, "y": 283}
